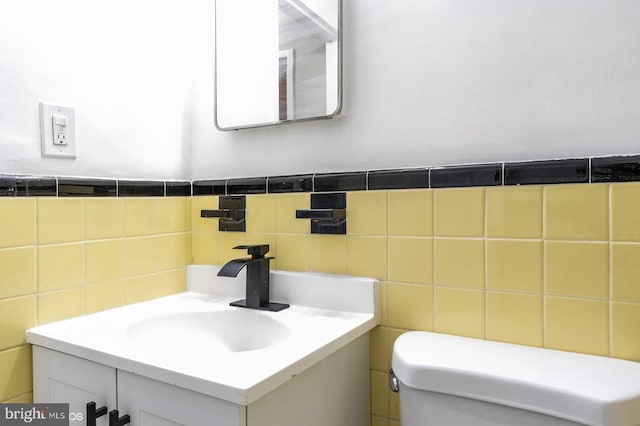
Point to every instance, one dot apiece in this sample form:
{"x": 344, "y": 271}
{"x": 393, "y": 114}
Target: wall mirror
{"x": 277, "y": 61}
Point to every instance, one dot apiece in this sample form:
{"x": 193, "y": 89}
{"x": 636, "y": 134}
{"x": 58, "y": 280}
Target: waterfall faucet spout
{"x": 257, "y": 291}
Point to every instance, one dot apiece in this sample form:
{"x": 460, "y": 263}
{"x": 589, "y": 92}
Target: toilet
{"x": 446, "y": 380}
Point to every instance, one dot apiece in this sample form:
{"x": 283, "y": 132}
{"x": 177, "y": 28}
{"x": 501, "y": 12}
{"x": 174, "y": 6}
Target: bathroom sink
{"x": 228, "y": 331}
{"x": 197, "y": 341}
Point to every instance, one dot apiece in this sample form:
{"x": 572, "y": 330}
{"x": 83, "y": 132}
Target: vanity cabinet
{"x": 65, "y": 378}
{"x": 328, "y": 393}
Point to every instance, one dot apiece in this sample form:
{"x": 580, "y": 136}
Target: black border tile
{"x": 71, "y": 187}
{"x": 350, "y": 181}
{"x": 36, "y": 187}
{"x": 132, "y": 188}
{"x": 574, "y": 170}
{"x": 399, "y": 179}
{"x": 296, "y": 183}
{"x": 178, "y": 189}
{"x": 255, "y": 185}
{"x": 467, "y": 176}
{"x": 209, "y": 187}
{"x": 615, "y": 169}
{"x": 623, "y": 168}
{"x": 7, "y": 186}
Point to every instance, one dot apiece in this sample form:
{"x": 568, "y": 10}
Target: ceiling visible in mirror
{"x": 277, "y": 61}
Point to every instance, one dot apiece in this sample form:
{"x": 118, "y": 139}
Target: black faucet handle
{"x": 255, "y": 250}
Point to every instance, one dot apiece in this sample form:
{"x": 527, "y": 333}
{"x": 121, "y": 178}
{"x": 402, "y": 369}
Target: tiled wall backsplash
{"x": 554, "y": 266}
{"x": 64, "y": 257}
{"x": 543, "y": 253}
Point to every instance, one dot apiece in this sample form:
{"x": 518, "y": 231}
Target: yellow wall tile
{"x": 140, "y": 289}
{"x": 514, "y": 318}
{"x": 205, "y": 248}
{"x": 60, "y": 220}
{"x": 367, "y": 213}
{"x": 60, "y": 266}
{"x": 379, "y": 394}
{"x": 226, "y": 243}
{"x": 58, "y": 305}
{"x": 411, "y": 306}
{"x": 140, "y": 256}
{"x": 514, "y": 212}
{"x": 411, "y": 213}
{"x": 16, "y": 316}
{"x": 576, "y": 212}
{"x": 411, "y": 260}
{"x": 103, "y": 218}
{"x": 18, "y": 275}
{"x": 100, "y": 297}
{"x": 174, "y": 214}
{"x": 329, "y": 254}
{"x": 577, "y": 269}
{"x": 294, "y": 252}
{"x": 17, "y": 222}
{"x": 286, "y": 206}
{"x": 394, "y": 407}
{"x": 625, "y": 272}
{"x": 577, "y": 325}
{"x": 625, "y": 339}
{"x": 384, "y": 311}
{"x": 103, "y": 261}
{"x": 625, "y": 211}
{"x": 201, "y": 224}
{"x": 459, "y": 212}
{"x": 15, "y": 372}
{"x": 140, "y": 216}
{"x": 173, "y": 251}
{"x": 459, "y": 262}
{"x": 379, "y": 421}
{"x": 394, "y": 333}
{"x": 514, "y": 265}
{"x": 172, "y": 282}
{"x": 261, "y": 213}
{"x": 460, "y": 312}
{"x": 379, "y": 338}
{"x": 26, "y": 398}
{"x": 367, "y": 257}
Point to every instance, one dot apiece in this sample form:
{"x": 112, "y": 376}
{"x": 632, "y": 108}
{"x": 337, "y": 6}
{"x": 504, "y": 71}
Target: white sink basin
{"x": 195, "y": 340}
{"x": 228, "y": 331}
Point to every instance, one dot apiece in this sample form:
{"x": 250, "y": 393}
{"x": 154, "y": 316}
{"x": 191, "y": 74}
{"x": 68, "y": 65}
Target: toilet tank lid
{"x": 588, "y": 389}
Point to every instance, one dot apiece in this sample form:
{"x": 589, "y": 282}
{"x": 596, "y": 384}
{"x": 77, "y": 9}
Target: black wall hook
{"x": 231, "y": 212}
{"x": 328, "y": 213}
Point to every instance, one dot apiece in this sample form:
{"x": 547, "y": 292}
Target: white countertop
{"x": 327, "y": 312}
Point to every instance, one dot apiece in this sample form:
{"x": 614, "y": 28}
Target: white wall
{"x": 125, "y": 66}
{"x": 427, "y": 82}
{"x": 436, "y": 82}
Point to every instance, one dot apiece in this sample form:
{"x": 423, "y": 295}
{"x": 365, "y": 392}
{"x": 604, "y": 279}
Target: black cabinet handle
{"x": 115, "y": 420}
{"x": 93, "y": 414}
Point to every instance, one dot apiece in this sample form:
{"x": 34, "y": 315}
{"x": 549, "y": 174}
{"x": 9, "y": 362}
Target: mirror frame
{"x": 338, "y": 109}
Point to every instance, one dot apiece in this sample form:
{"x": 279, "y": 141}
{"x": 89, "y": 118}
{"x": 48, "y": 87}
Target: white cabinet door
{"x": 63, "y": 378}
{"x": 153, "y": 403}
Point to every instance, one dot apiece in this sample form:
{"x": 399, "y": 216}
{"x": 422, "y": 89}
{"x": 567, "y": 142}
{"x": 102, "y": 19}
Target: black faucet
{"x": 257, "y": 295}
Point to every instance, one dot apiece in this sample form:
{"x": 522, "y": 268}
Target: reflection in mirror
{"x": 277, "y": 61}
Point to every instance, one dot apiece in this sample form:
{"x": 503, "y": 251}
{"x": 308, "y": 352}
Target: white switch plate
{"x": 50, "y": 148}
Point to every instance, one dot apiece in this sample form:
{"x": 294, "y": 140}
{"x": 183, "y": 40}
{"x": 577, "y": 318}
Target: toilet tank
{"x": 457, "y": 381}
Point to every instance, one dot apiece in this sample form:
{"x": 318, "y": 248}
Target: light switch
{"x": 57, "y": 131}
